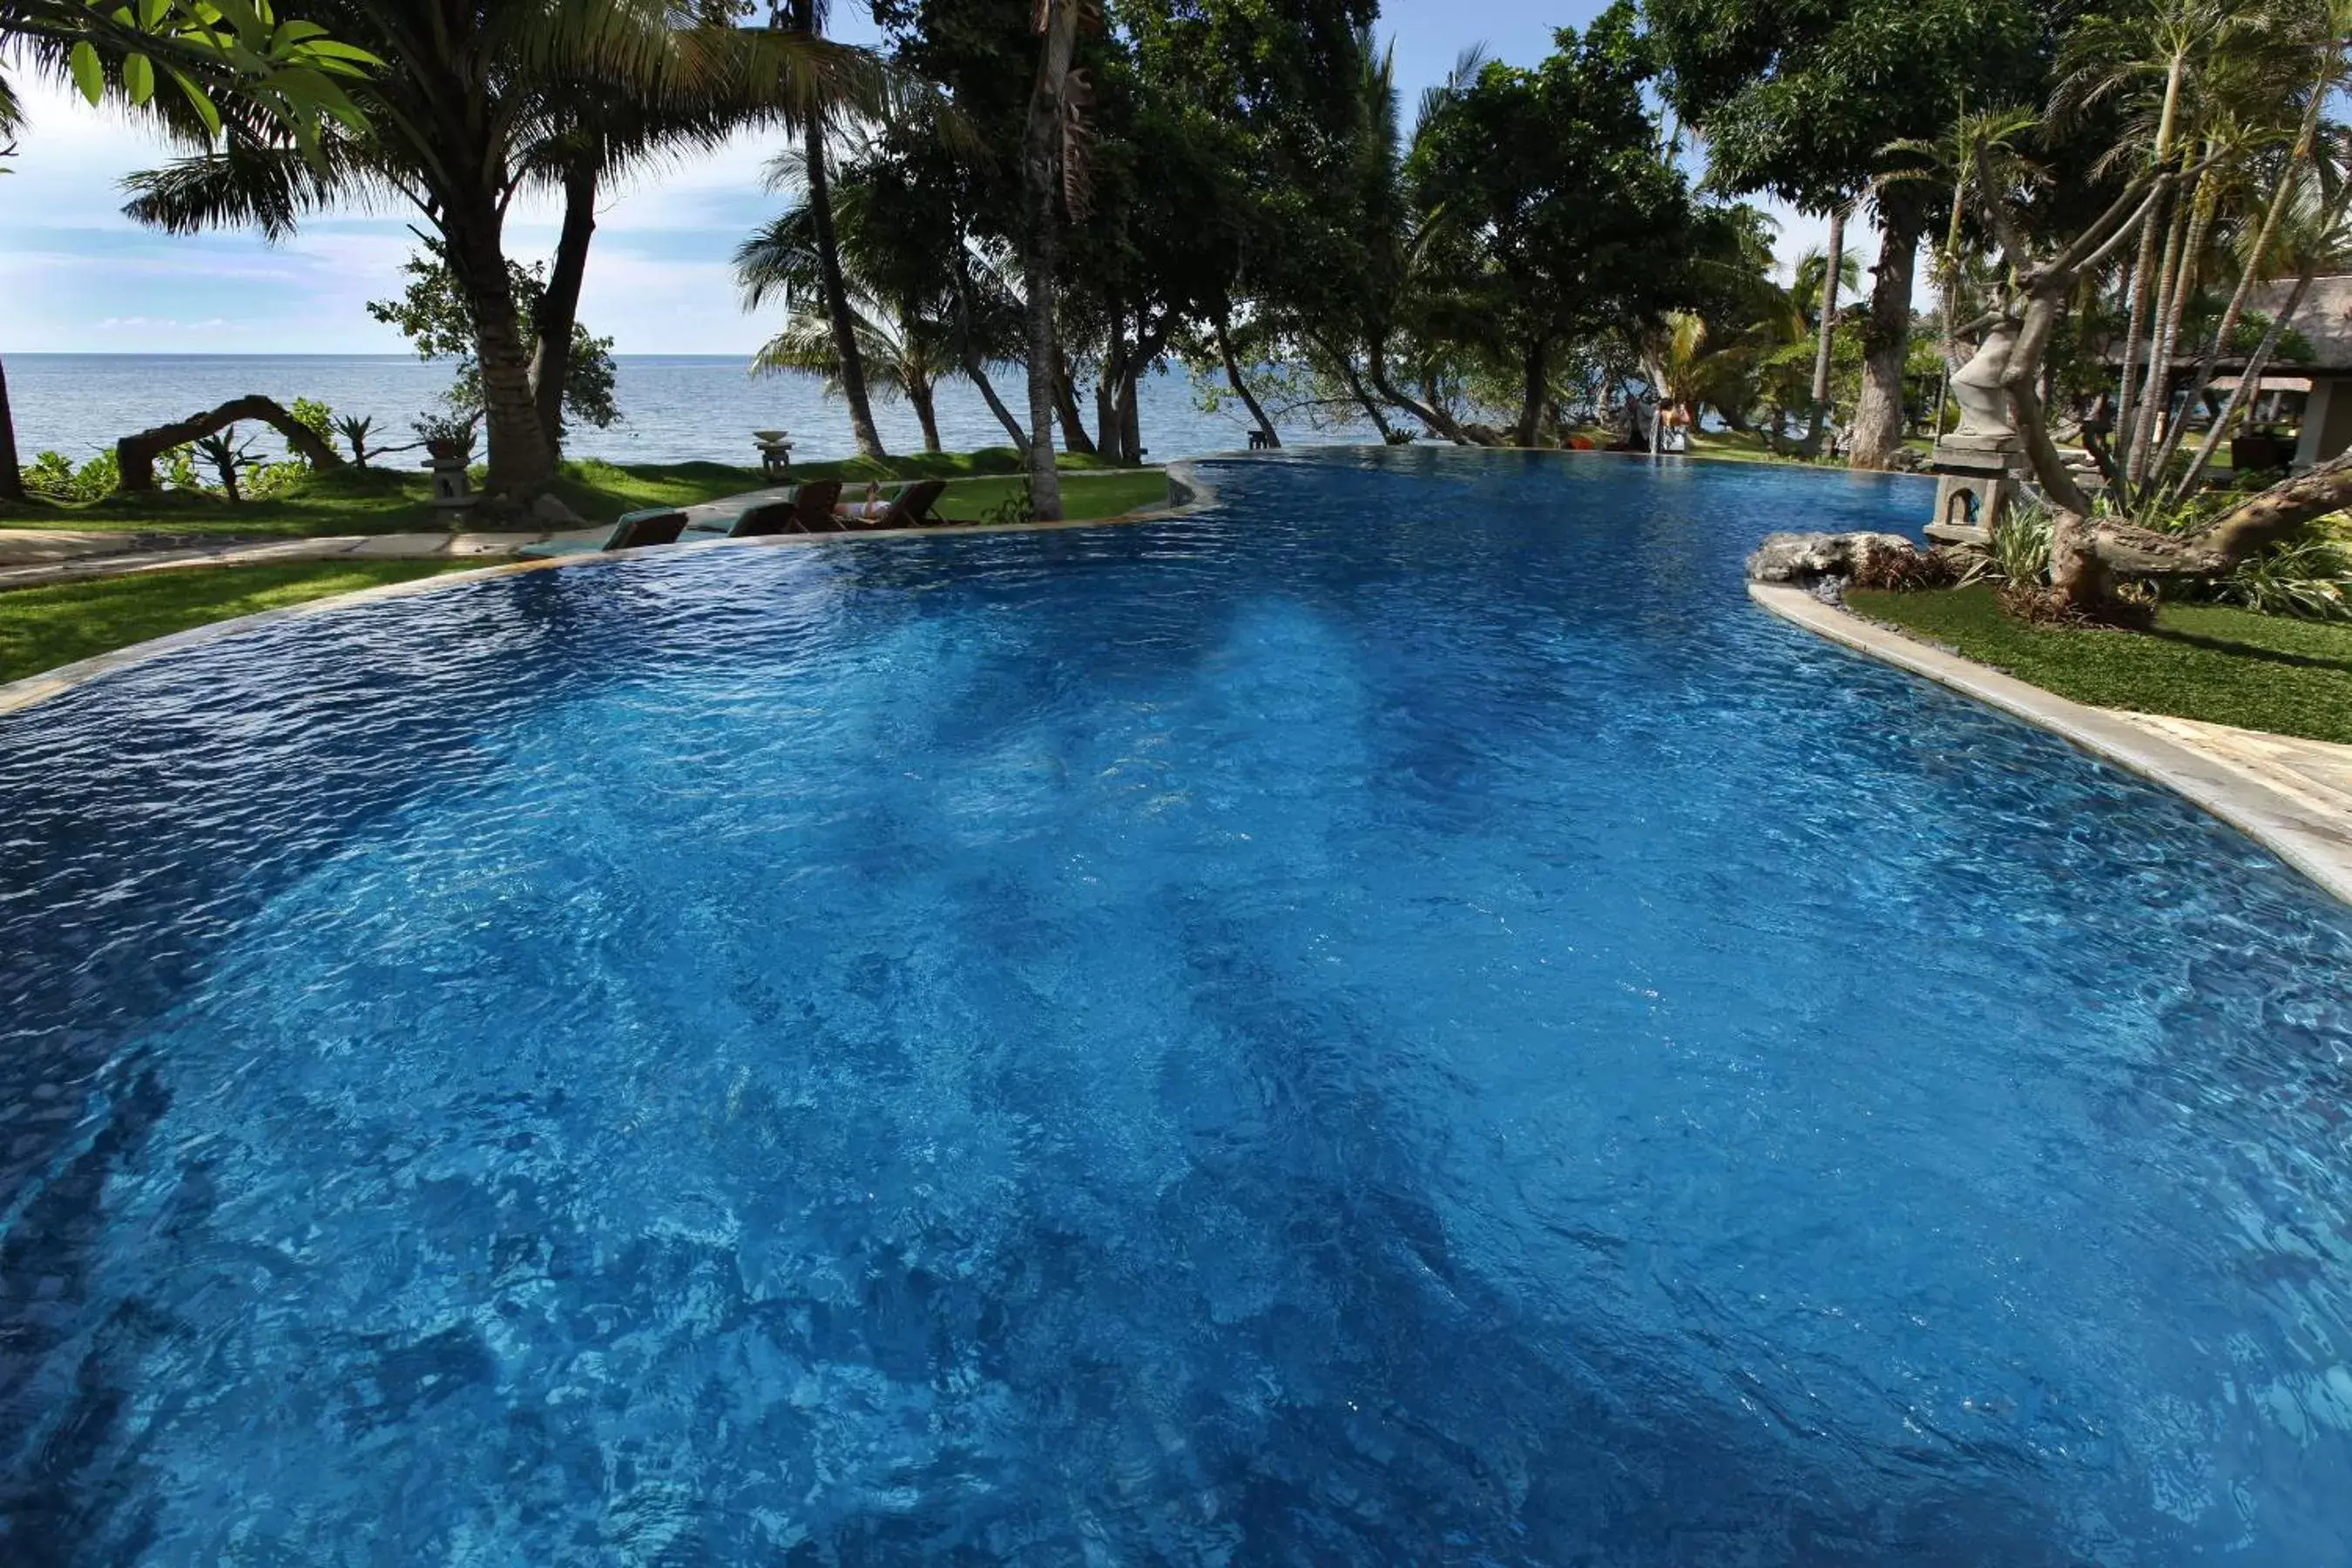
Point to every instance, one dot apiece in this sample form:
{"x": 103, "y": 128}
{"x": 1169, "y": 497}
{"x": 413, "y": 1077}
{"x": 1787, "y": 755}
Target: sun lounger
{"x": 636, "y": 530}
{"x": 910, "y": 508}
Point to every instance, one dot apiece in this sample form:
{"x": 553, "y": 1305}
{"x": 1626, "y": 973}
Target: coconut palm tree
{"x": 909, "y": 343}
{"x": 808, "y": 18}
{"x": 487, "y": 99}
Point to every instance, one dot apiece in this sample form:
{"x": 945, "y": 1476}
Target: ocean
{"x": 674, "y": 407}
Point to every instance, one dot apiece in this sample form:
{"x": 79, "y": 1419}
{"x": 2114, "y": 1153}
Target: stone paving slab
{"x": 39, "y": 546}
{"x": 466, "y": 546}
{"x": 2317, "y": 772}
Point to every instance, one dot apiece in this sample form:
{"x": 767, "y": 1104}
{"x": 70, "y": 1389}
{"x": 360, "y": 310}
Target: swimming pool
{"x": 1395, "y": 1019}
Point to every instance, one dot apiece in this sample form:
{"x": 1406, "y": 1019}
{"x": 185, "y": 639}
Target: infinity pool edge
{"x": 2315, "y": 845}
{"x": 1187, "y": 493}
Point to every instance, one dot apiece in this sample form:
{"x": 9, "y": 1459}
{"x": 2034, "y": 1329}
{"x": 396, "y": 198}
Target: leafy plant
{"x": 354, "y": 429}
{"x": 1019, "y": 507}
{"x": 2020, "y": 555}
{"x": 314, "y": 415}
{"x": 454, "y": 427}
{"x": 433, "y": 315}
{"x": 2309, "y": 578}
{"x": 232, "y": 458}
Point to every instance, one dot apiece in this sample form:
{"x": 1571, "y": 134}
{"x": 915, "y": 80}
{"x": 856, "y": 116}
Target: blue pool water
{"x": 1396, "y": 1020}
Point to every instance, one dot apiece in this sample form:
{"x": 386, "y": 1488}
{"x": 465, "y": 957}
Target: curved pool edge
{"x": 1187, "y": 493}
{"x": 2317, "y": 845}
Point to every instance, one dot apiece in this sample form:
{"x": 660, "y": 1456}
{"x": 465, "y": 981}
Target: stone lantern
{"x": 1980, "y": 466}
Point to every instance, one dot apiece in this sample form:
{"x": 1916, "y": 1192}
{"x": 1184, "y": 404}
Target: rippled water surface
{"x": 1398, "y": 1020}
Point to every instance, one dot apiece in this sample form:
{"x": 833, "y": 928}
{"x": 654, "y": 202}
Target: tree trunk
{"x": 135, "y": 455}
{"x": 519, "y": 459}
{"x": 2134, "y": 323}
{"x": 923, "y": 396}
{"x": 2141, "y": 274}
{"x": 559, "y": 308}
{"x": 1130, "y": 419}
{"x": 977, "y": 373}
{"x": 849, "y": 365}
{"x": 2249, "y": 381}
{"x": 2155, "y": 387}
{"x": 1041, "y": 249}
{"x": 1107, "y": 404}
{"x": 1436, "y": 422}
{"x": 1878, "y": 419}
{"x": 1241, "y": 387}
{"x": 11, "y": 477}
{"x": 1355, "y": 387}
{"x": 2280, "y": 193}
{"x": 1531, "y": 392}
{"x": 1065, "y": 402}
{"x": 1821, "y": 413}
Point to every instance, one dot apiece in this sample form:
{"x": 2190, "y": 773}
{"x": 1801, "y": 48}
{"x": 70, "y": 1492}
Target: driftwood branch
{"x": 135, "y": 455}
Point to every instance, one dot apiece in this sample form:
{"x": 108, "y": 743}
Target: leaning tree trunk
{"x": 976, "y": 372}
{"x": 921, "y": 396}
{"x": 1437, "y": 421}
{"x": 1041, "y": 241}
{"x": 1820, "y": 419}
{"x": 2250, "y": 382}
{"x": 2155, "y": 387}
{"x": 1878, "y": 417}
{"x": 558, "y": 307}
{"x": 520, "y": 460}
{"x": 135, "y": 455}
{"x": 1240, "y": 387}
{"x": 849, "y": 365}
{"x": 11, "y": 477}
{"x": 1065, "y": 403}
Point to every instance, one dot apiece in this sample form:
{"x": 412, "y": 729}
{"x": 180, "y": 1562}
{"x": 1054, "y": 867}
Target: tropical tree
{"x": 495, "y": 98}
{"x": 905, "y": 320}
{"x": 807, "y": 17}
{"x": 1802, "y": 102}
{"x": 1562, "y": 218}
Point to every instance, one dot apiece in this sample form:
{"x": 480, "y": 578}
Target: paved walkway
{"x": 32, "y": 556}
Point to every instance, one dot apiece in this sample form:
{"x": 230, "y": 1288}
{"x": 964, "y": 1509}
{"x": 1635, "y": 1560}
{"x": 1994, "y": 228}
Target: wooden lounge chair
{"x": 636, "y": 530}
{"x": 910, "y": 508}
{"x": 804, "y": 509}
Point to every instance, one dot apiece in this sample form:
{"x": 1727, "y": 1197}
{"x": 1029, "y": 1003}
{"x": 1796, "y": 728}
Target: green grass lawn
{"x": 397, "y": 501}
{"x": 2202, "y": 661}
{"x": 41, "y": 628}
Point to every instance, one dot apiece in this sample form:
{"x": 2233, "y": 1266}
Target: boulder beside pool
{"x": 1806, "y": 559}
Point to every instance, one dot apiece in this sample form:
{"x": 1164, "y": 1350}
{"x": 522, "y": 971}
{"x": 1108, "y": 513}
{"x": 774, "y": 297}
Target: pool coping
{"x": 1187, "y": 493}
{"x": 2313, "y": 842}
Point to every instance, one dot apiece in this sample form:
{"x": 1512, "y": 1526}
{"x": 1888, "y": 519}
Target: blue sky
{"x": 76, "y": 276}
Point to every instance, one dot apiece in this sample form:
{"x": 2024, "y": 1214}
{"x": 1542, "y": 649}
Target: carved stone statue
{"x": 1977, "y": 389}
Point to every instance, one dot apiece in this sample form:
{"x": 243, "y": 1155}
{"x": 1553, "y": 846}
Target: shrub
{"x": 53, "y": 474}
{"x": 2020, "y": 546}
{"x": 1913, "y": 572}
{"x": 2309, "y": 577}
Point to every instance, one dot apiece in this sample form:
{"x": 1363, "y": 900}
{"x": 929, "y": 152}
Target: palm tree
{"x": 1829, "y": 280}
{"x": 807, "y": 17}
{"x": 910, "y": 344}
{"x": 485, "y": 99}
